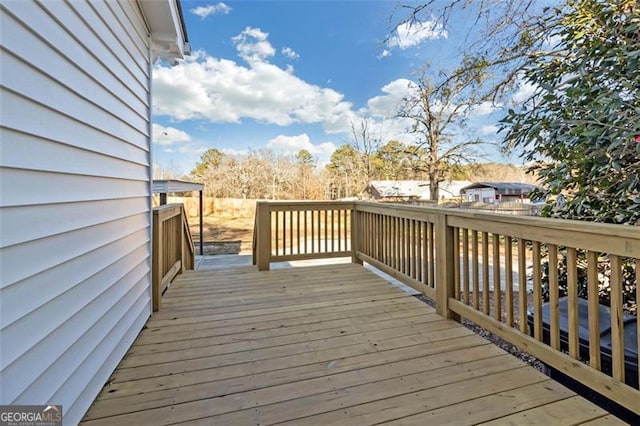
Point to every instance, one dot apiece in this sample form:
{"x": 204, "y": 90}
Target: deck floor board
{"x": 319, "y": 345}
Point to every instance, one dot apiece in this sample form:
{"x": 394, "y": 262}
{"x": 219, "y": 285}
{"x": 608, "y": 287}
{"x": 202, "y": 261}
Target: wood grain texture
{"x": 331, "y": 344}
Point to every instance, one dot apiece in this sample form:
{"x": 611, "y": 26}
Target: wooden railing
{"x": 488, "y": 268}
{"x": 173, "y": 250}
{"x": 301, "y": 230}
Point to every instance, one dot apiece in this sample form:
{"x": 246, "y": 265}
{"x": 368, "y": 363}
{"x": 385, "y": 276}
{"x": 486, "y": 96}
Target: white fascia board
{"x": 168, "y": 36}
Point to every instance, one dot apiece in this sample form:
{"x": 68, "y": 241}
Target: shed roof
{"x": 414, "y": 188}
{"x": 171, "y": 186}
{"x": 400, "y": 188}
{"x": 503, "y": 188}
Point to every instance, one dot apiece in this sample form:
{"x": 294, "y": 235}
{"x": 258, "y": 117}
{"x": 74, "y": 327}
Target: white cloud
{"x": 186, "y": 149}
{"x": 235, "y": 152}
{"x": 484, "y": 108}
{"x": 387, "y": 105}
{"x": 220, "y": 90}
{"x": 409, "y": 35}
{"x": 384, "y": 54}
{"x": 253, "y": 46}
{"x": 168, "y": 135}
{"x": 489, "y": 129}
{"x": 524, "y": 93}
{"x": 211, "y": 9}
{"x": 289, "y": 53}
{"x": 293, "y": 144}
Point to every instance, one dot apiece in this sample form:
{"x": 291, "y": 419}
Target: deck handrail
{"x": 173, "y": 251}
{"x": 459, "y": 257}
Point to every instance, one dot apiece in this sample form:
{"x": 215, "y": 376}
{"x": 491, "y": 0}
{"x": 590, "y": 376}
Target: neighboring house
{"x": 451, "y": 189}
{"x": 75, "y": 190}
{"x": 409, "y": 190}
{"x": 497, "y": 192}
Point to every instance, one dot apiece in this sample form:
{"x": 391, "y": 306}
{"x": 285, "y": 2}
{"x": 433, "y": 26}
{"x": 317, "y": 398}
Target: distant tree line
{"x": 265, "y": 175}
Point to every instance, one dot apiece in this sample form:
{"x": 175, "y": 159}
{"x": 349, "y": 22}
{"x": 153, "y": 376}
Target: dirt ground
{"x": 224, "y": 235}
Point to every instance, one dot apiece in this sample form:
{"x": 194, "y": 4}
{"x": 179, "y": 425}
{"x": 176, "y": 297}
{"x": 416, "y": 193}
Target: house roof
{"x": 172, "y": 186}
{"x": 168, "y": 30}
{"x": 503, "y": 188}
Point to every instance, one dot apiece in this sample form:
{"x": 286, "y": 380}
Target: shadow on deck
{"x": 319, "y": 345}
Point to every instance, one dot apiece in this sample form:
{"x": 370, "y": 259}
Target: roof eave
{"x": 168, "y": 30}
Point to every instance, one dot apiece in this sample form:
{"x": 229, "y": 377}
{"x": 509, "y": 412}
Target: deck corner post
{"x": 263, "y": 236}
{"x": 355, "y": 234}
{"x": 444, "y": 267}
{"x": 156, "y": 261}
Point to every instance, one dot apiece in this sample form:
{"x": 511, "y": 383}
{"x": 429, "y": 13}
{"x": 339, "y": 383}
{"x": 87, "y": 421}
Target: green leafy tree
{"x": 346, "y": 171}
{"x": 581, "y": 126}
{"x": 210, "y": 158}
{"x": 398, "y": 161}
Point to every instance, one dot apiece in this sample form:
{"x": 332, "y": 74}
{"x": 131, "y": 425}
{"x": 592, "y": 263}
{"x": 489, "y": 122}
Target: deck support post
{"x": 156, "y": 261}
{"x": 263, "y": 235}
{"x": 355, "y": 234}
{"x": 445, "y": 282}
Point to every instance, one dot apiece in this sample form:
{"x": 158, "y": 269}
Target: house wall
{"x": 75, "y": 197}
{"x": 482, "y": 195}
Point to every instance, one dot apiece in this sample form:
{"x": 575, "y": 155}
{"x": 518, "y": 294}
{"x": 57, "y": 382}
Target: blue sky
{"x": 293, "y": 75}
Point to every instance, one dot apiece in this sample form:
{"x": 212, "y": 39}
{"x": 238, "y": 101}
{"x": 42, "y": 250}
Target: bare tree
{"x": 504, "y": 37}
{"x": 367, "y": 144}
{"x": 439, "y": 112}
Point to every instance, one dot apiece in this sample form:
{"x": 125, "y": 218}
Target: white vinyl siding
{"x": 75, "y": 197}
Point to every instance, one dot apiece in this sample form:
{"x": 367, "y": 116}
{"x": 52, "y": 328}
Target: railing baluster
{"x": 291, "y": 244}
{"x": 419, "y": 262}
{"x": 277, "y": 238}
{"x": 306, "y": 241}
{"x": 425, "y": 253}
{"x": 522, "y": 284}
{"x": 553, "y": 297}
{"x": 475, "y": 270}
{"x": 340, "y": 230}
{"x": 572, "y": 298}
{"x": 617, "y": 324}
{"x": 485, "y": 273}
{"x": 537, "y": 292}
{"x": 298, "y": 230}
{"x": 465, "y": 266}
{"x": 320, "y": 231}
{"x": 594, "y": 310}
{"x": 333, "y": 235}
{"x": 497, "y": 289}
{"x": 407, "y": 248}
{"x": 508, "y": 270}
{"x": 432, "y": 256}
{"x": 456, "y": 263}
{"x": 416, "y": 250}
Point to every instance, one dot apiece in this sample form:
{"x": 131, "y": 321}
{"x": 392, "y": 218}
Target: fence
{"x": 479, "y": 266}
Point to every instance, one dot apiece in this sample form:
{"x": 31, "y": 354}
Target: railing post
{"x": 444, "y": 267}
{"x": 263, "y": 235}
{"x": 180, "y": 239}
{"x": 355, "y": 234}
{"x": 156, "y": 261}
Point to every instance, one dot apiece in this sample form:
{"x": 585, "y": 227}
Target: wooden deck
{"x": 320, "y": 345}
